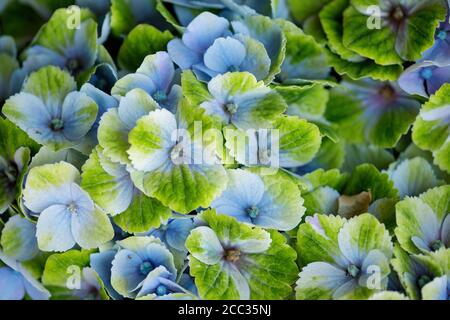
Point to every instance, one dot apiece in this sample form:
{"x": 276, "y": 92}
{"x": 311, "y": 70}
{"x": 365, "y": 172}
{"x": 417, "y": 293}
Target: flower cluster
{"x": 225, "y": 149}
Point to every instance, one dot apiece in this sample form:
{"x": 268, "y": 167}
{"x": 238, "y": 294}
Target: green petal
{"x": 58, "y": 31}
{"x": 305, "y": 58}
{"x": 9, "y": 65}
{"x": 366, "y": 177}
{"x": 143, "y": 214}
{"x": 414, "y": 213}
{"x": 50, "y": 84}
{"x": 420, "y": 29}
{"x": 431, "y": 128}
{"x": 299, "y": 141}
{"x": 47, "y": 156}
{"x": 364, "y": 233}
{"x": 322, "y": 200}
{"x": 388, "y": 295}
{"x": 410, "y": 267}
{"x": 194, "y": 91}
{"x": 44, "y": 178}
{"x": 271, "y": 36}
{"x": 363, "y": 69}
{"x": 331, "y": 18}
{"x": 12, "y": 139}
{"x": 60, "y": 266}
{"x": 140, "y": 42}
{"x": 412, "y": 177}
{"x": 375, "y": 44}
{"x": 314, "y": 245}
{"x": 391, "y": 125}
{"x": 113, "y": 136}
{"x": 356, "y": 154}
{"x": 111, "y": 189}
{"x": 184, "y": 188}
{"x": 304, "y": 101}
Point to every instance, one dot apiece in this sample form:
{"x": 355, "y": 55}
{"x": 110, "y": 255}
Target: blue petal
{"x": 102, "y": 263}
{"x": 226, "y": 54}
{"x": 76, "y": 115}
{"x": 177, "y": 232}
{"x": 103, "y": 100}
{"x": 203, "y": 30}
{"x": 25, "y": 246}
{"x": 54, "y": 229}
{"x": 12, "y": 287}
{"x": 158, "y": 67}
{"x": 182, "y": 55}
{"x": 125, "y": 272}
{"x": 133, "y": 81}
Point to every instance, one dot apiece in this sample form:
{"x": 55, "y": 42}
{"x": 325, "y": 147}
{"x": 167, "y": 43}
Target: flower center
{"x": 72, "y": 207}
{"x": 73, "y": 64}
{"x": 253, "y": 212}
{"x": 160, "y": 96}
{"x": 387, "y": 92}
{"x": 233, "y": 68}
{"x": 56, "y": 124}
{"x": 146, "y": 267}
{"x": 436, "y": 245}
{"x": 161, "y": 290}
{"x": 442, "y": 34}
{"x": 426, "y": 73}
{"x": 423, "y": 280}
{"x": 232, "y": 255}
{"x": 397, "y": 14}
{"x": 177, "y": 153}
{"x": 353, "y": 270}
{"x": 231, "y": 108}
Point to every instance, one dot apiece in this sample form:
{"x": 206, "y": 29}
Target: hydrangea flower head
{"x": 133, "y": 267}
{"x": 248, "y": 258}
{"x": 269, "y": 202}
{"x": 72, "y": 49}
{"x": 352, "y": 250}
{"x": 209, "y": 48}
{"x": 52, "y": 193}
{"x": 50, "y": 111}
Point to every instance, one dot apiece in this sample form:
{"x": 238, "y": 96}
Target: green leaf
{"x": 168, "y": 16}
{"x": 143, "y": 40}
